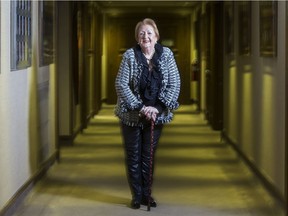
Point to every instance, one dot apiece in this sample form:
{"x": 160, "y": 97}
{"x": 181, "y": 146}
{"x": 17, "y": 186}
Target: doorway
{"x": 174, "y": 33}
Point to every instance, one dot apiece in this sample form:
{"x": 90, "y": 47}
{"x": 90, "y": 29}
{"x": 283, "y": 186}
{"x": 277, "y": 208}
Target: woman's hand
{"x": 150, "y": 113}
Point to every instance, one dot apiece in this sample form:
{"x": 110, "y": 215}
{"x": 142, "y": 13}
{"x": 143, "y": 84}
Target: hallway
{"x": 196, "y": 174}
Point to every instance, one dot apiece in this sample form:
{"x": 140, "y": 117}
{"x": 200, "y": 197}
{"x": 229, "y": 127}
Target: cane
{"x": 151, "y": 164}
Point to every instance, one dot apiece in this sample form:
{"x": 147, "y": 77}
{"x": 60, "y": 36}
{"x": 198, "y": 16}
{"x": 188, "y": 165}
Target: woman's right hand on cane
{"x": 150, "y": 113}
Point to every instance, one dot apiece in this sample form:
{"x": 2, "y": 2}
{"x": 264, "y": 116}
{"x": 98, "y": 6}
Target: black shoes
{"x": 135, "y": 204}
{"x": 144, "y": 201}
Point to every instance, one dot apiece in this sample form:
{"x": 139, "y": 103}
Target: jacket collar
{"x": 141, "y": 58}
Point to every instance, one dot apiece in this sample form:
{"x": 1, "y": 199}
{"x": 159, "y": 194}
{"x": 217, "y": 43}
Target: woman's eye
{"x": 143, "y": 33}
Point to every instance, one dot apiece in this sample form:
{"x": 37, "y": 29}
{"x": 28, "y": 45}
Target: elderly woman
{"x": 147, "y": 86}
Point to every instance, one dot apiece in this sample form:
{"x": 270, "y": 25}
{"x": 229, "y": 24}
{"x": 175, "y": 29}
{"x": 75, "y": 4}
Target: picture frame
{"x": 229, "y": 27}
{"x": 244, "y": 15}
{"x": 46, "y": 32}
{"x": 268, "y": 28}
{"x": 21, "y": 35}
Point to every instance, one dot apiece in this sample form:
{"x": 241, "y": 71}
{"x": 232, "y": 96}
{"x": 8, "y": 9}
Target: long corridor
{"x": 195, "y": 174}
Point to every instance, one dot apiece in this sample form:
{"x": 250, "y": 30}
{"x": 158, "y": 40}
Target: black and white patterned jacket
{"x": 127, "y": 88}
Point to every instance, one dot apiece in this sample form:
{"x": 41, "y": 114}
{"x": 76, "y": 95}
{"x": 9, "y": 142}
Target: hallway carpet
{"x": 196, "y": 174}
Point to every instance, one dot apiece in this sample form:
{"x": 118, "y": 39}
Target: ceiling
{"x": 120, "y": 7}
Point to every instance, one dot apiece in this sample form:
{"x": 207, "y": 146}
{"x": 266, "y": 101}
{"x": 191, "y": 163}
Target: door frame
{"x": 185, "y": 73}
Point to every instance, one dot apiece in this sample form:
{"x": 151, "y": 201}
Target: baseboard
{"x": 13, "y": 204}
{"x": 267, "y": 184}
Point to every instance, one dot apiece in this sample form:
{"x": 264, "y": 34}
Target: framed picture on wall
{"x": 46, "y": 32}
{"x": 229, "y": 27}
{"x": 268, "y": 28}
{"x": 244, "y": 15}
{"x": 21, "y": 34}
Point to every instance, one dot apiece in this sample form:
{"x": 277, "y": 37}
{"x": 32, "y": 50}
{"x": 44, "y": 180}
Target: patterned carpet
{"x": 195, "y": 174}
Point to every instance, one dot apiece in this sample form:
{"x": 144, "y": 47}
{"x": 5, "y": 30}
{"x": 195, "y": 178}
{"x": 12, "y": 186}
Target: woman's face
{"x": 146, "y": 37}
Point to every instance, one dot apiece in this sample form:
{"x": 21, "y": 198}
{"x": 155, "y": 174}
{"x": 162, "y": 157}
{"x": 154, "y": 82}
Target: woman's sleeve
{"x": 123, "y": 85}
{"x": 172, "y": 90}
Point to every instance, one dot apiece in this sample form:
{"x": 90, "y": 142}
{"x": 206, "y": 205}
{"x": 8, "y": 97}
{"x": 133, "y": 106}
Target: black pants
{"x": 137, "y": 142}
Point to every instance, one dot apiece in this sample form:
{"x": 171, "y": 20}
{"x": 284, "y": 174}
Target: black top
{"x": 150, "y": 81}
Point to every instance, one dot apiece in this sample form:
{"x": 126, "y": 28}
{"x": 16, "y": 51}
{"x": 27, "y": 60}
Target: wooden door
{"x": 214, "y": 66}
{"x": 198, "y": 76}
{"x": 175, "y": 34}
{"x": 121, "y": 37}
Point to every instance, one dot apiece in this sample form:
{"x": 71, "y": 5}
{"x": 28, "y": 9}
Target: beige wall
{"x": 254, "y": 102}
{"x": 27, "y": 113}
